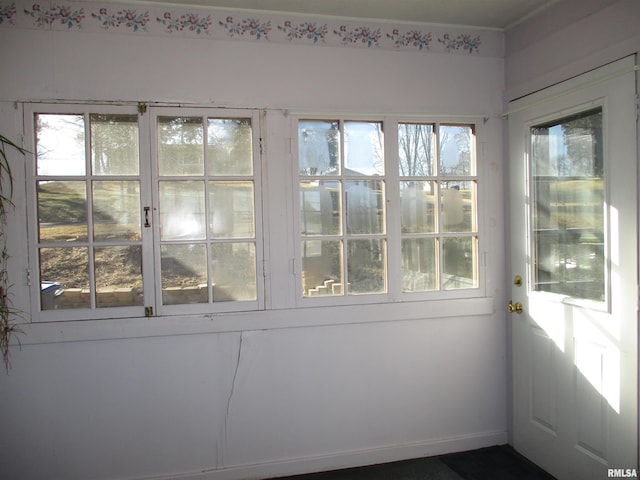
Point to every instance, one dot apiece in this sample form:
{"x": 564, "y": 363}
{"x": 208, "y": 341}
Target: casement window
{"x": 387, "y": 210}
{"x": 150, "y": 212}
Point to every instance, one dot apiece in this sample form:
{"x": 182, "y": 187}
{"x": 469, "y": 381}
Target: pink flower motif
{"x": 167, "y": 15}
{"x": 103, "y": 11}
{"x": 36, "y": 7}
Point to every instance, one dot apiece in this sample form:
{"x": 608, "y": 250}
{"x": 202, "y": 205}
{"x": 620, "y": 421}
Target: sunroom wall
{"x": 264, "y": 393}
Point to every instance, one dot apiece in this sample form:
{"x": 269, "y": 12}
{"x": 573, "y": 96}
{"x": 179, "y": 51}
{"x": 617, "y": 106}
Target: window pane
{"x": 184, "y": 274}
{"x": 180, "y": 146}
{"x": 182, "y": 211}
{"x": 366, "y": 266}
{"x": 60, "y": 146}
{"x": 116, "y": 210}
{"x": 229, "y": 146}
{"x": 118, "y": 273}
{"x": 419, "y": 265}
{"x": 319, "y": 147}
{"x": 458, "y": 200}
{"x": 233, "y": 271}
{"x": 322, "y": 268}
{"x": 231, "y": 209}
{"x": 459, "y": 261}
{"x": 64, "y": 278}
{"x": 320, "y": 207}
{"x": 62, "y": 211}
{"x": 416, "y": 149}
{"x": 418, "y": 207}
{"x": 114, "y": 145}
{"x": 568, "y": 214}
{"x": 456, "y": 144}
{"x": 363, "y": 148}
{"x": 365, "y": 207}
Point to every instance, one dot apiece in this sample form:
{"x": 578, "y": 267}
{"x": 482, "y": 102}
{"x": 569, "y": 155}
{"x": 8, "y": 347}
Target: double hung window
{"x": 387, "y": 210}
{"x": 144, "y": 213}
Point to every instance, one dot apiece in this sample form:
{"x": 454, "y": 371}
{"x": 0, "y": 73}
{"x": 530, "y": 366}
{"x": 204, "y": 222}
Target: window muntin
{"x": 430, "y": 167}
{"x": 438, "y": 184}
{"x": 95, "y": 192}
{"x": 342, "y": 208}
{"x": 206, "y": 210}
{"x": 88, "y": 210}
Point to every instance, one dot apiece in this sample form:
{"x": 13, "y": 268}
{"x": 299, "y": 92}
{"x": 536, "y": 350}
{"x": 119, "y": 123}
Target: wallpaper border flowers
{"x": 210, "y": 23}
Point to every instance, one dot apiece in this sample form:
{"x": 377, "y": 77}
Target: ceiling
{"x": 499, "y": 14}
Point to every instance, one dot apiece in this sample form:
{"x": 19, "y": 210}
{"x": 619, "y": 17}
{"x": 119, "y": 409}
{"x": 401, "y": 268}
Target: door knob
{"x": 514, "y": 307}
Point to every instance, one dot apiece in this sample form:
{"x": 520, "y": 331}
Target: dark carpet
{"x": 493, "y": 463}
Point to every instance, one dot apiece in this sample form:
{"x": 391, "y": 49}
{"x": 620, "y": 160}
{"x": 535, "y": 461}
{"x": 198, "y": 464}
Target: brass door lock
{"x": 514, "y": 307}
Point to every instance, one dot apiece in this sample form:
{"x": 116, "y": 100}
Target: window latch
{"x": 147, "y": 221}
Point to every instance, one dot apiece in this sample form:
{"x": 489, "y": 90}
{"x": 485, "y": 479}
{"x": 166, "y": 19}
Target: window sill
{"x": 121, "y": 328}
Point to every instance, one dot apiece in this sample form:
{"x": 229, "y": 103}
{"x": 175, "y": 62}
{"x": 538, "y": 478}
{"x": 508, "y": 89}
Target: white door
{"x": 573, "y": 200}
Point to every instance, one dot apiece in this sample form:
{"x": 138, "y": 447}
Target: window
{"x": 154, "y": 210}
{"x": 568, "y": 206}
{"x": 438, "y": 187}
{"x": 342, "y": 208}
{"x": 386, "y": 216}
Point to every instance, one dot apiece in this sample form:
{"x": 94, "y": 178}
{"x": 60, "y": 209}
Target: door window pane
{"x": 419, "y": 265}
{"x": 62, "y": 211}
{"x": 418, "y": 206}
{"x": 229, "y": 146}
{"x": 231, "y": 209}
{"x": 319, "y": 147}
{"x": 568, "y": 208}
{"x": 456, "y": 150}
{"x": 60, "y": 145}
{"x": 64, "y": 278}
{"x": 182, "y": 210}
{"x": 458, "y": 201}
{"x": 233, "y": 270}
{"x": 322, "y": 272}
{"x": 459, "y": 260}
{"x": 416, "y": 149}
{"x": 365, "y": 207}
{"x": 114, "y": 145}
{"x": 118, "y": 272}
{"x": 320, "y": 207}
{"x": 180, "y": 146}
{"x": 184, "y": 274}
{"x": 363, "y": 148}
{"x": 366, "y": 260}
{"x": 116, "y": 210}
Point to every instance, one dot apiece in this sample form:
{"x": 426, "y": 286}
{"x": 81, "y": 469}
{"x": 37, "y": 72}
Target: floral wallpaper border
{"x": 212, "y": 23}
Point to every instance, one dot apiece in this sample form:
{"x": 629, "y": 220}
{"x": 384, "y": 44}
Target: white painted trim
{"x": 143, "y": 327}
{"x": 351, "y": 459}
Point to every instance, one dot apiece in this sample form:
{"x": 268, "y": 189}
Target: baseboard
{"x": 350, "y": 459}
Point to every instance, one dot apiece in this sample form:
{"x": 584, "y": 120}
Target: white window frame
{"x": 148, "y": 177}
{"x": 394, "y": 293}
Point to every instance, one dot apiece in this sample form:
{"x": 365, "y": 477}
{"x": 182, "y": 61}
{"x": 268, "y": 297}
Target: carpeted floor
{"x": 493, "y": 463}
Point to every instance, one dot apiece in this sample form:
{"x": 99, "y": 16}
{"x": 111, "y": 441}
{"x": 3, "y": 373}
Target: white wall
{"x": 568, "y": 39}
{"x": 266, "y": 393}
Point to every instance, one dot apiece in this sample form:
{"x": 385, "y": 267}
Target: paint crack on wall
{"x": 231, "y": 393}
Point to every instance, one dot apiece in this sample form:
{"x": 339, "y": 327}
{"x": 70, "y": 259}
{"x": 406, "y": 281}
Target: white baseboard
{"x": 350, "y": 459}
